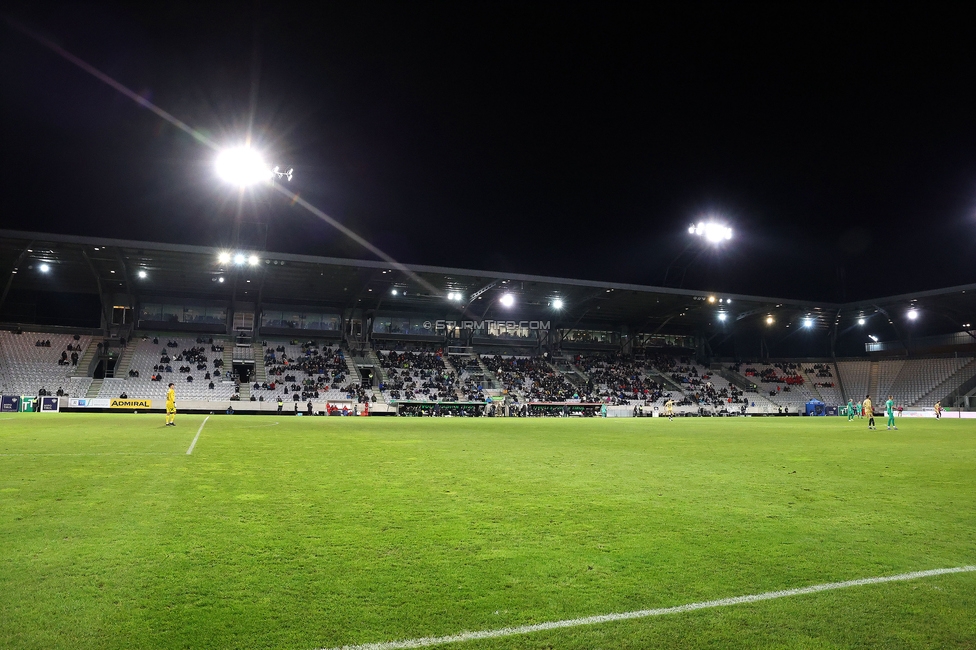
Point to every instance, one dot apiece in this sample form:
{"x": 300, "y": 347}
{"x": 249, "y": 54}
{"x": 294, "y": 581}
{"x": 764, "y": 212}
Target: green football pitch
{"x": 306, "y": 533}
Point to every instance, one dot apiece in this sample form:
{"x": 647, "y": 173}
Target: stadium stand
{"x": 305, "y": 370}
{"x": 918, "y": 378}
{"x": 856, "y": 378}
{"x": 27, "y": 368}
{"x": 531, "y": 379}
{"x": 172, "y": 359}
{"x": 424, "y": 376}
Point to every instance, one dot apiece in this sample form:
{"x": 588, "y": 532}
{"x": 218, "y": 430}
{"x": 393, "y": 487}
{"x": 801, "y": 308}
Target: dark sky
{"x": 578, "y": 140}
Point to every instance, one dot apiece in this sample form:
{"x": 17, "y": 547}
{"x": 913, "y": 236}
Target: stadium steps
{"x": 491, "y": 376}
{"x": 873, "y": 378}
{"x": 124, "y": 362}
{"x": 810, "y": 383}
{"x": 378, "y": 372}
{"x": 93, "y": 389}
{"x": 950, "y": 384}
{"x": 85, "y": 360}
{"x": 354, "y": 375}
{"x": 449, "y": 366}
{"x": 666, "y": 379}
{"x": 574, "y": 369}
{"x": 743, "y": 382}
{"x": 260, "y": 372}
{"x": 570, "y": 376}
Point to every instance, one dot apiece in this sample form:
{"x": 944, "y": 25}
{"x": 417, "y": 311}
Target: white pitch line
{"x": 425, "y": 642}
{"x": 106, "y": 453}
{"x": 197, "y": 437}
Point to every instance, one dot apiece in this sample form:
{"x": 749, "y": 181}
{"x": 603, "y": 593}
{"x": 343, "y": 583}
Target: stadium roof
{"x": 111, "y": 266}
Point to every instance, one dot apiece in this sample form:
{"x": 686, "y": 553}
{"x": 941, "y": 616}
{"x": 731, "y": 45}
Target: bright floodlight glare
{"x": 860, "y": 321}
{"x": 394, "y": 292}
{"x": 44, "y": 268}
{"x": 557, "y": 303}
{"x": 223, "y": 258}
{"x": 808, "y": 322}
{"x": 239, "y": 259}
{"x": 253, "y": 260}
{"x": 769, "y": 320}
{"x": 912, "y": 314}
{"x": 711, "y": 299}
{"x": 711, "y": 231}
{"x": 242, "y": 166}
{"x": 220, "y": 279}
{"x": 873, "y": 337}
{"x": 508, "y": 300}
{"x": 722, "y": 316}
{"x": 142, "y": 274}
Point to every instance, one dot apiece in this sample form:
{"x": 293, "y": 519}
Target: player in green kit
{"x": 857, "y": 409}
{"x": 850, "y": 410}
{"x": 890, "y": 412}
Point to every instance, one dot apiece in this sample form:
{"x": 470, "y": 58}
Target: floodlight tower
{"x": 701, "y": 237}
{"x": 245, "y": 168}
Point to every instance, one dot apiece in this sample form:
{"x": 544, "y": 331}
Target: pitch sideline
{"x": 425, "y": 642}
{"x": 197, "y": 437}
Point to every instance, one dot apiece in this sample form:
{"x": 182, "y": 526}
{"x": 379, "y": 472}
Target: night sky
{"x": 575, "y": 140}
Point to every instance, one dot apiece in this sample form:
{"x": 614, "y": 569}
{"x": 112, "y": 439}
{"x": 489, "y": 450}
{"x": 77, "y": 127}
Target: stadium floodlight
{"x": 808, "y": 322}
{"x": 912, "y": 314}
{"x": 394, "y": 292}
{"x": 242, "y": 166}
{"x": 711, "y": 231}
{"x": 770, "y": 320}
{"x": 220, "y": 279}
{"x": 873, "y": 337}
{"x": 507, "y": 300}
{"x": 861, "y": 321}
{"x": 142, "y": 274}
{"x": 44, "y": 268}
{"x": 253, "y": 260}
{"x": 711, "y": 299}
{"x": 557, "y": 303}
{"x": 722, "y": 316}
{"x": 224, "y": 258}
{"x": 239, "y": 259}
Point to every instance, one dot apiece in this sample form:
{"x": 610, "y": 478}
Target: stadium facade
{"x": 113, "y": 289}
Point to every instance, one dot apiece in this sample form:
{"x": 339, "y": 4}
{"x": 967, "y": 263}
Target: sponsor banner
{"x": 89, "y": 402}
{"x": 946, "y": 414}
{"x": 10, "y": 403}
{"x": 50, "y": 405}
{"x": 130, "y": 404}
{"x": 28, "y": 403}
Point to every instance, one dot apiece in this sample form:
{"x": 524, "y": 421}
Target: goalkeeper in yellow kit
{"x": 171, "y": 406}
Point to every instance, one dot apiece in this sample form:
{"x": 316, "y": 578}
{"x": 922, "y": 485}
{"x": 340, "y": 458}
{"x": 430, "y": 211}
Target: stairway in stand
{"x": 260, "y": 372}
{"x": 81, "y": 370}
{"x": 872, "y": 383}
{"x": 93, "y": 389}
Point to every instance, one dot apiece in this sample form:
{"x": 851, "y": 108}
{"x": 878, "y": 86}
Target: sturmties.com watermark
{"x": 542, "y": 325}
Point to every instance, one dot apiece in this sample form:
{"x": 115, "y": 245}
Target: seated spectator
{"x": 189, "y": 378}
{"x": 211, "y": 386}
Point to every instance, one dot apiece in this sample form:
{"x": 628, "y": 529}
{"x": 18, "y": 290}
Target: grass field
{"x": 304, "y": 533}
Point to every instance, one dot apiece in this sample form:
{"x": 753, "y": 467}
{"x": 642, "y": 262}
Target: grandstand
{"x": 372, "y": 334}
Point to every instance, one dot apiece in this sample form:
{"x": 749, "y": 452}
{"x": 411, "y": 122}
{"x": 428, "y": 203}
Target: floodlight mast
{"x": 245, "y": 167}
{"x": 702, "y": 234}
